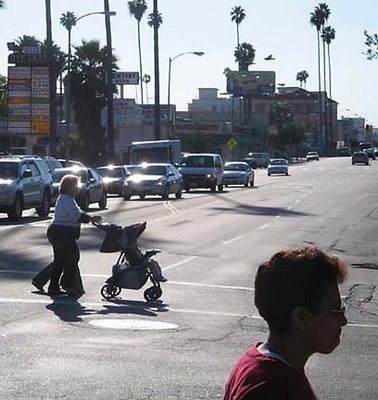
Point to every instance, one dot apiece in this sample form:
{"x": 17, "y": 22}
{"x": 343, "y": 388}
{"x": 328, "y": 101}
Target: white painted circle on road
{"x": 133, "y": 324}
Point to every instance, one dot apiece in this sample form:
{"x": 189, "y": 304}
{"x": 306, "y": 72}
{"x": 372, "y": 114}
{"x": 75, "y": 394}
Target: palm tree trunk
{"x": 140, "y": 65}
{"x": 156, "y": 73}
{"x": 237, "y": 35}
{"x": 320, "y": 95}
{"x": 329, "y": 73}
{"x": 326, "y": 133}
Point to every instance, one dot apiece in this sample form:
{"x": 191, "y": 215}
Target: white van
{"x": 202, "y": 170}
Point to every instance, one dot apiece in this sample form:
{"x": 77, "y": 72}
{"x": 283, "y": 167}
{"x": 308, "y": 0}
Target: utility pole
{"x": 109, "y": 82}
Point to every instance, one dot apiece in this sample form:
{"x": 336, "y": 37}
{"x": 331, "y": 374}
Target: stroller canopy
{"x": 120, "y": 238}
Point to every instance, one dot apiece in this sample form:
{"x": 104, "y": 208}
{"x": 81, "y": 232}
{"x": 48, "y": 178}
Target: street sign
{"x": 231, "y": 143}
{"x": 125, "y": 78}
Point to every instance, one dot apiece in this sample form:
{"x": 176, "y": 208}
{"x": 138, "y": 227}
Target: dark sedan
{"x": 92, "y": 188}
{"x": 360, "y": 157}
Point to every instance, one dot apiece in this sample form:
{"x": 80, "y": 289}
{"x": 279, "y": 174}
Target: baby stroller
{"x": 133, "y": 267}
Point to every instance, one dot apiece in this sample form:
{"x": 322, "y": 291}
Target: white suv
{"x": 25, "y": 182}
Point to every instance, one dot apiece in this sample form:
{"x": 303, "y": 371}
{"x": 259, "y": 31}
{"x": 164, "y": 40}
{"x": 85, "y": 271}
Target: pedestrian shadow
{"x": 68, "y": 309}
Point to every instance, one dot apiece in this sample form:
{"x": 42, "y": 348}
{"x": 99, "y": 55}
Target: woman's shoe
{"x": 37, "y": 285}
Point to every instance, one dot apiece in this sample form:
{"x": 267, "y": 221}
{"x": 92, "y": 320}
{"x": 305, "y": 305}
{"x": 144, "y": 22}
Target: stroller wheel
{"x": 153, "y": 293}
{"x": 109, "y": 291}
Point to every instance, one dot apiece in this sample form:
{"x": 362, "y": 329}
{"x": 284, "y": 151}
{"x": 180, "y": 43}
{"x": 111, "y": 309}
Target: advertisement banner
{"x": 125, "y": 78}
{"x": 40, "y": 127}
{"x": 166, "y": 113}
{"x": 242, "y": 83}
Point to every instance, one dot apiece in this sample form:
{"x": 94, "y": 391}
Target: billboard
{"x": 125, "y": 78}
{"x": 242, "y": 83}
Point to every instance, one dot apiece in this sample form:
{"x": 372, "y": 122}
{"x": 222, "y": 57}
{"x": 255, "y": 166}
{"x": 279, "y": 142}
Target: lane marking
{"x": 232, "y": 240}
{"x": 297, "y": 201}
{"x": 289, "y": 208}
{"x": 179, "y": 263}
{"x": 264, "y": 226}
{"x": 169, "y": 206}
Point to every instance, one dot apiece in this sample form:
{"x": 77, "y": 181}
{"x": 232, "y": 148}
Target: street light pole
{"x": 171, "y": 59}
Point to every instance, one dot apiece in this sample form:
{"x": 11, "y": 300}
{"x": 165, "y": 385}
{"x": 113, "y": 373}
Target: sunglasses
{"x": 338, "y": 311}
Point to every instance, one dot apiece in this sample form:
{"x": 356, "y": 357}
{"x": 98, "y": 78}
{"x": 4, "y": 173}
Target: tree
{"x": 328, "y": 35}
{"x": 137, "y": 8}
{"x": 237, "y": 15}
{"x": 2, "y": 4}
{"x": 155, "y": 21}
{"x": 89, "y": 94}
{"x": 302, "y": 78}
{"x": 3, "y": 96}
{"x": 318, "y": 19}
{"x": 371, "y": 41}
{"x": 244, "y": 56}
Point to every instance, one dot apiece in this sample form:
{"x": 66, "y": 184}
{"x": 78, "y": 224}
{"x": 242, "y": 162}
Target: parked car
{"x": 262, "y": 159}
{"x": 114, "y": 177}
{"x": 92, "y": 188}
{"x": 370, "y": 153}
{"x": 158, "y": 179}
{"x": 312, "y": 155}
{"x": 238, "y": 173}
{"x": 278, "y": 166}
{"x": 360, "y": 157}
{"x": 70, "y": 163}
{"x": 202, "y": 170}
{"x": 25, "y": 182}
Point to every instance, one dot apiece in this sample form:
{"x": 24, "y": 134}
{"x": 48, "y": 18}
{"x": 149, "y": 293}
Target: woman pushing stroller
{"x": 63, "y": 234}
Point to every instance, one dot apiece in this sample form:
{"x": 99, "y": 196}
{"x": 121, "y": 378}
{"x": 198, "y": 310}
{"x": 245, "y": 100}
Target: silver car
{"x": 114, "y": 177}
{"x": 278, "y": 166}
{"x": 238, "y": 173}
{"x": 159, "y": 179}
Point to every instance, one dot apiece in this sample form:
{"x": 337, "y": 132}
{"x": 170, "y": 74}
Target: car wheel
{"x": 252, "y": 184}
{"x": 15, "y": 213}
{"x": 165, "y": 195}
{"x": 142, "y": 196}
{"x": 352, "y": 163}
{"x": 287, "y": 174}
{"x": 246, "y": 183}
{"x": 213, "y": 187}
{"x": 102, "y": 203}
{"x": 220, "y": 188}
{"x": 269, "y": 174}
{"x": 187, "y": 188}
{"x": 126, "y": 197}
{"x": 44, "y": 210}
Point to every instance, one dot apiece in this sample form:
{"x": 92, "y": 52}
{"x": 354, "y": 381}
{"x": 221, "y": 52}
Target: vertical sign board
{"x": 19, "y": 100}
{"x": 28, "y": 100}
{"x": 40, "y": 107}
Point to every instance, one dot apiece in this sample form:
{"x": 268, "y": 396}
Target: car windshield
{"x": 235, "y": 167}
{"x": 197, "y": 161}
{"x": 8, "y": 170}
{"x": 277, "y": 162}
{"x": 57, "y": 175}
{"x": 312, "y": 153}
{"x": 110, "y": 172}
{"x": 150, "y": 170}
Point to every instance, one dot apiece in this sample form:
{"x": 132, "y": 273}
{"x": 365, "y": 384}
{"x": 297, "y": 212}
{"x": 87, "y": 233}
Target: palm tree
{"x": 2, "y": 4}
{"x": 318, "y": 19}
{"x": 137, "y": 8}
{"x": 89, "y": 93}
{"x": 244, "y": 56}
{"x": 328, "y": 35}
{"x": 155, "y": 21}
{"x": 237, "y": 15}
{"x": 302, "y": 78}
{"x": 151, "y": 20}
{"x": 371, "y": 41}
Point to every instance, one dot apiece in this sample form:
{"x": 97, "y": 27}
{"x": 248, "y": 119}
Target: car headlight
{"x": 7, "y": 187}
{"x": 160, "y": 182}
{"x": 209, "y": 176}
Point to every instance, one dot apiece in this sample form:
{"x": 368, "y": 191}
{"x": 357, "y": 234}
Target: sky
{"x": 277, "y": 27}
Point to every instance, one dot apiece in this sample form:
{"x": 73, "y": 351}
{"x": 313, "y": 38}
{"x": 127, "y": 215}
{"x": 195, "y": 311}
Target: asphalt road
{"x": 212, "y": 243}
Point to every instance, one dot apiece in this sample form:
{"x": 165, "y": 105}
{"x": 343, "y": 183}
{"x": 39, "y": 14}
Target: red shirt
{"x": 257, "y": 376}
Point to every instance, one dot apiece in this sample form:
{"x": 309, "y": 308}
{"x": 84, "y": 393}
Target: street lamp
{"x": 68, "y": 94}
{"x": 196, "y": 53}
